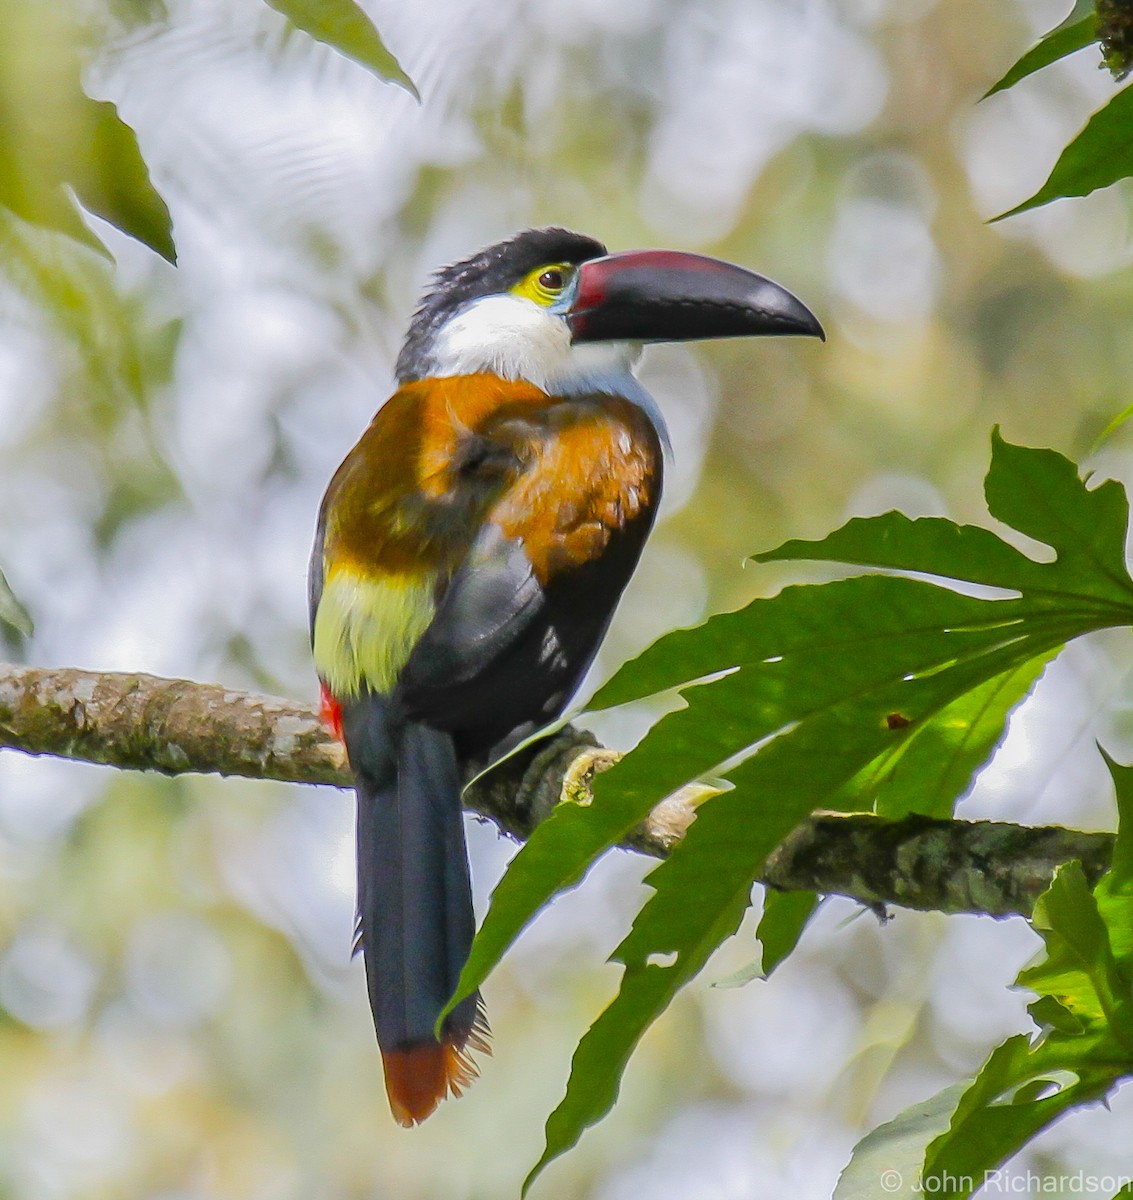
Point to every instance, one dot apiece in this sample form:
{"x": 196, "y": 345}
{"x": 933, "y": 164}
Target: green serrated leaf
{"x": 117, "y": 185}
{"x": 795, "y": 697}
{"x": 887, "y": 1161}
{"x": 1068, "y": 919}
{"x": 1076, "y": 32}
{"x": 934, "y": 762}
{"x": 55, "y": 140}
{"x": 988, "y": 1126}
{"x": 1099, "y": 156}
{"x": 344, "y": 26}
{"x": 885, "y": 643}
{"x": 930, "y": 545}
{"x": 701, "y": 890}
{"x": 602, "y": 1055}
{"x": 781, "y": 924}
{"x": 12, "y": 612}
{"x": 1119, "y": 879}
{"x": 1049, "y": 1013}
{"x": 1039, "y": 493}
{"x": 1086, "y": 1049}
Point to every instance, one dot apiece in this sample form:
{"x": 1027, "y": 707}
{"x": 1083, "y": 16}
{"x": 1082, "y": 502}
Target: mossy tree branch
{"x": 142, "y": 722}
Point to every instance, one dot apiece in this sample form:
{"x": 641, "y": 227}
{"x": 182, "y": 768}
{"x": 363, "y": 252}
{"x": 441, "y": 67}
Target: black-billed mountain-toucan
{"x": 470, "y": 552}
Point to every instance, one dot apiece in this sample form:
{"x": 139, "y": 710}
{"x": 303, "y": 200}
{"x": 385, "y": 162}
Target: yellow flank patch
{"x": 365, "y": 629}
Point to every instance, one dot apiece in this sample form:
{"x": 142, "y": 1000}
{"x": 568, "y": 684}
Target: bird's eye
{"x": 546, "y": 284}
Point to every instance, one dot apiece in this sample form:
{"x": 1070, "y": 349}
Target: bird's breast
{"x": 563, "y": 476}
{"x": 399, "y": 517}
{"x": 592, "y": 472}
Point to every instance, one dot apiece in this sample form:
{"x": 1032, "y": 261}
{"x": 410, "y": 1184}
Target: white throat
{"x": 516, "y": 339}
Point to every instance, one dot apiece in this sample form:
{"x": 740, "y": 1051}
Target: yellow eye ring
{"x": 545, "y": 284}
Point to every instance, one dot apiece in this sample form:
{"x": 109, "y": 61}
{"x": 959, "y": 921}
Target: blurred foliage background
{"x": 179, "y": 1015}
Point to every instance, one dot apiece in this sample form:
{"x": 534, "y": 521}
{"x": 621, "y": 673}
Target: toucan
{"x": 469, "y": 555}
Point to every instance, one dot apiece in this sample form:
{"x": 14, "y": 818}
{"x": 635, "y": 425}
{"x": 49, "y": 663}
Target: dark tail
{"x": 414, "y": 906}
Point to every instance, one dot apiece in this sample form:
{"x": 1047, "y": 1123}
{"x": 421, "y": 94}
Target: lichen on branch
{"x": 146, "y": 723}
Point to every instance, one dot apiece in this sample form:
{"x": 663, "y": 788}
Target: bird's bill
{"x": 670, "y": 296}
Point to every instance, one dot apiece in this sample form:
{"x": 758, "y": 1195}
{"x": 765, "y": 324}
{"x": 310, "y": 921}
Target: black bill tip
{"x": 668, "y": 296}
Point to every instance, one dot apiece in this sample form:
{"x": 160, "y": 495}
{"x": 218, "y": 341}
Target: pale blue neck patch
{"x": 514, "y": 338}
{"x": 615, "y": 382}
